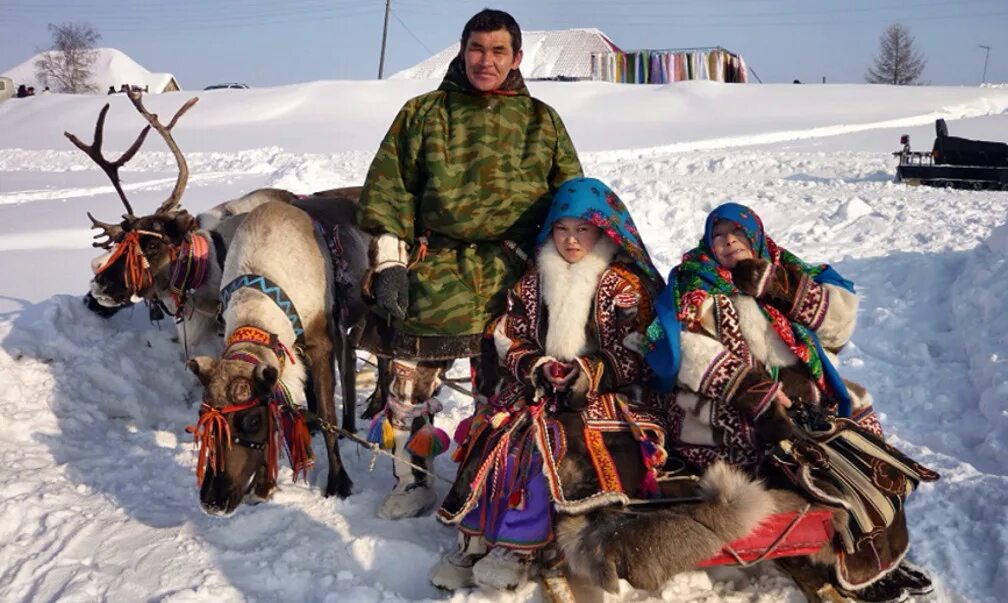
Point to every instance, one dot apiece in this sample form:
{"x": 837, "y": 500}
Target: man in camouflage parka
{"x": 455, "y": 198}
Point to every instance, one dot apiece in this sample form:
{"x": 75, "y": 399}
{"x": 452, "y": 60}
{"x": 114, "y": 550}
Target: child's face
{"x": 730, "y": 244}
{"x": 574, "y": 238}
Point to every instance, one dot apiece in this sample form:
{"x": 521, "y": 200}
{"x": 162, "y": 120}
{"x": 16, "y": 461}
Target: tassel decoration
{"x": 462, "y": 431}
{"x": 653, "y": 454}
{"x": 499, "y": 419}
{"x": 299, "y": 448}
{"x": 649, "y": 484}
{"x": 428, "y": 441}
{"x": 654, "y": 457}
{"x": 381, "y": 433}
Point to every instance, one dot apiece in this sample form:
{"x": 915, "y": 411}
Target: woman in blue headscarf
{"x": 745, "y": 335}
{"x": 571, "y": 347}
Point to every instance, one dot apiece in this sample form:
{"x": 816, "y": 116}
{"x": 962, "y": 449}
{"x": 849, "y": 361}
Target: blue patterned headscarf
{"x": 699, "y": 275}
{"x": 591, "y": 200}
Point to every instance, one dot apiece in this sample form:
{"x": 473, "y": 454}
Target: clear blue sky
{"x": 271, "y": 42}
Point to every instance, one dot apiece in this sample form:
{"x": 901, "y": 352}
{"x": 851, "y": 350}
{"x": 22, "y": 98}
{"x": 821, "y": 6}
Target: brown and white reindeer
{"x": 280, "y": 325}
{"x": 168, "y": 258}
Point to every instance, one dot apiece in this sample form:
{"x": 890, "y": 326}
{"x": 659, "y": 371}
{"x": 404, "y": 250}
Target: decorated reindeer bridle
{"x": 137, "y": 275}
{"x": 286, "y": 425}
{"x": 123, "y": 240}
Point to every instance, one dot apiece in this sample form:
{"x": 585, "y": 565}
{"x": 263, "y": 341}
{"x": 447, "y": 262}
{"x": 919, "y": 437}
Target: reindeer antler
{"x": 165, "y": 132}
{"x": 111, "y": 168}
{"x": 113, "y": 231}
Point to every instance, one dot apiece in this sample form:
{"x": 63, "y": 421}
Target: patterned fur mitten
{"x": 756, "y": 398}
{"x": 790, "y": 291}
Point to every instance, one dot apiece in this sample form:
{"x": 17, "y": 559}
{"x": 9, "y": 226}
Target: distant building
{"x": 111, "y": 68}
{"x": 6, "y": 88}
{"x": 548, "y": 55}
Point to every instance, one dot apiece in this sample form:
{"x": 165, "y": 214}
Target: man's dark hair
{"x": 489, "y": 19}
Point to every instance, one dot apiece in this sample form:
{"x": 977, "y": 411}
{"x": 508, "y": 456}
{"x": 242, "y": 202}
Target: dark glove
{"x": 761, "y": 279}
{"x": 390, "y": 289}
{"x": 769, "y": 417}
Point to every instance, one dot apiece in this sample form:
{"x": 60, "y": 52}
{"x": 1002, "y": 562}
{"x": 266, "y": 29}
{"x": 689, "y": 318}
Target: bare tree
{"x": 66, "y": 67}
{"x": 899, "y": 62}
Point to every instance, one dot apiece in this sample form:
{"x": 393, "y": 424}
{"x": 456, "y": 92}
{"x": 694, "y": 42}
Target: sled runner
{"x": 954, "y": 162}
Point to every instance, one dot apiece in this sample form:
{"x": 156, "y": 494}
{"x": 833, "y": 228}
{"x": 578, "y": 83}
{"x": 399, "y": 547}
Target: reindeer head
{"x": 235, "y": 431}
{"x": 140, "y": 250}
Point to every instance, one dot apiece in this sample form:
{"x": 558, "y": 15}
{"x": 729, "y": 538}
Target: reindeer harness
{"x": 137, "y": 274}
{"x": 286, "y": 423}
{"x": 272, "y": 290}
{"x": 190, "y": 267}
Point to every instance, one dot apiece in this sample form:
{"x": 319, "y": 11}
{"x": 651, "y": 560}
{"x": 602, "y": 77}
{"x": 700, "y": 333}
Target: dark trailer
{"x": 954, "y": 162}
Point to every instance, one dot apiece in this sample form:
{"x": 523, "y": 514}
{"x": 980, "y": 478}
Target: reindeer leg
{"x": 347, "y": 359}
{"x": 319, "y": 352}
{"x": 376, "y": 401}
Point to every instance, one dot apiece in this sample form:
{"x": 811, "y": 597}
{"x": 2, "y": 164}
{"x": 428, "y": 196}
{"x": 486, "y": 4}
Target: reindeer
{"x": 280, "y": 325}
{"x": 168, "y": 259}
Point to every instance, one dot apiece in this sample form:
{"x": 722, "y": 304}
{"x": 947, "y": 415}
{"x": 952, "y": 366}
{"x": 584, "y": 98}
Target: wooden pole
{"x": 384, "y": 36}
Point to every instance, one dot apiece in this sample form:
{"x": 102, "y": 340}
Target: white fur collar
{"x": 568, "y": 290}
{"x": 764, "y": 343}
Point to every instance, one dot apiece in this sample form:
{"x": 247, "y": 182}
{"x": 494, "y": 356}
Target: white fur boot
{"x": 502, "y": 569}
{"x": 455, "y": 569}
{"x": 410, "y": 497}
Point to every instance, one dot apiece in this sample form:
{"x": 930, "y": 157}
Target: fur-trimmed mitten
{"x": 763, "y": 280}
{"x": 785, "y": 287}
{"x": 756, "y": 398}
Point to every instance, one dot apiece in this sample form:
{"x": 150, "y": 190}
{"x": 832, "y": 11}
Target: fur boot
{"x": 647, "y": 549}
{"x": 502, "y": 569}
{"x": 412, "y": 496}
{"x": 455, "y": 569}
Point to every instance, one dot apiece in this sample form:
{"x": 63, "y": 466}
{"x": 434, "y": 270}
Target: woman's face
{"x": 729, "y": 244}
{"x": 574, "y": 238}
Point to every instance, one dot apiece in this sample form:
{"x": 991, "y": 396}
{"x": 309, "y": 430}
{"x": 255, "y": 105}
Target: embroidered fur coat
{"x": 704, "y": 424}
{"x": 595, "y": 442}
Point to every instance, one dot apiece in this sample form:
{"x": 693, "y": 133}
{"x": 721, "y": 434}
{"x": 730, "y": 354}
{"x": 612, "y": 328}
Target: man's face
{"x": 489, "y": 58}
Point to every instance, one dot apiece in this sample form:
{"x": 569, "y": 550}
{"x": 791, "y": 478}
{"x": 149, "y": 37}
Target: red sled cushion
{"x": 808, "y": 534}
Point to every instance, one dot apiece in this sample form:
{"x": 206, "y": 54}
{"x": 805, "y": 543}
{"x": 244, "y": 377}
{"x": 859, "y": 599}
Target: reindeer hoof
{"x": 341, "y": 485}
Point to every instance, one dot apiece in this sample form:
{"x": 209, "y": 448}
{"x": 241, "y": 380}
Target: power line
{"x": 410, "y": 32}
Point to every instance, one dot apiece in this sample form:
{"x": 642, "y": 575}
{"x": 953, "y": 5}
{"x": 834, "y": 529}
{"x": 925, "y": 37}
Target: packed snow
{"x": 97, "y": 488}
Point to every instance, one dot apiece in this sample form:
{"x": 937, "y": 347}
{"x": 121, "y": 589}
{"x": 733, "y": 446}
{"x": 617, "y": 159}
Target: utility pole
{"x": 986, "y": 56}
{"x": 384, "y": 35}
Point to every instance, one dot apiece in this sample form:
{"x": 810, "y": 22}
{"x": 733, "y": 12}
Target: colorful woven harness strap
{"x": 190, "y": 268}
{"x": 271, "y": 290}
{"x": 253, "y": 334}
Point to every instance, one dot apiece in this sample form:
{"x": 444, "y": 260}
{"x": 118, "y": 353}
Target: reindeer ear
{"x": 202, "y": 367}
{"x": 178, "y": 227}
{"x": 266, "y": 376}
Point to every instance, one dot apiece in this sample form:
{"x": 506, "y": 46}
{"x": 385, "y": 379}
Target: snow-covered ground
{"x": 97, "y": 495}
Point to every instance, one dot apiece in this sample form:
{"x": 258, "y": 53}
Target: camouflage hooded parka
{"x": 467, "y": 171}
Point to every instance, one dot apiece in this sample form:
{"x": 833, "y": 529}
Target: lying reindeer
{"x": 279, "y": 326}
{"x": 168, "y": 258}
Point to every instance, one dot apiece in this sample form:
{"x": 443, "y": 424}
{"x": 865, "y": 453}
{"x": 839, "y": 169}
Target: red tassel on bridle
{"x": 272, "y": 443}
{"x": 137, "y": 273}
{"x": 212, "y": 435}
{"x": 299, "y": 447}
